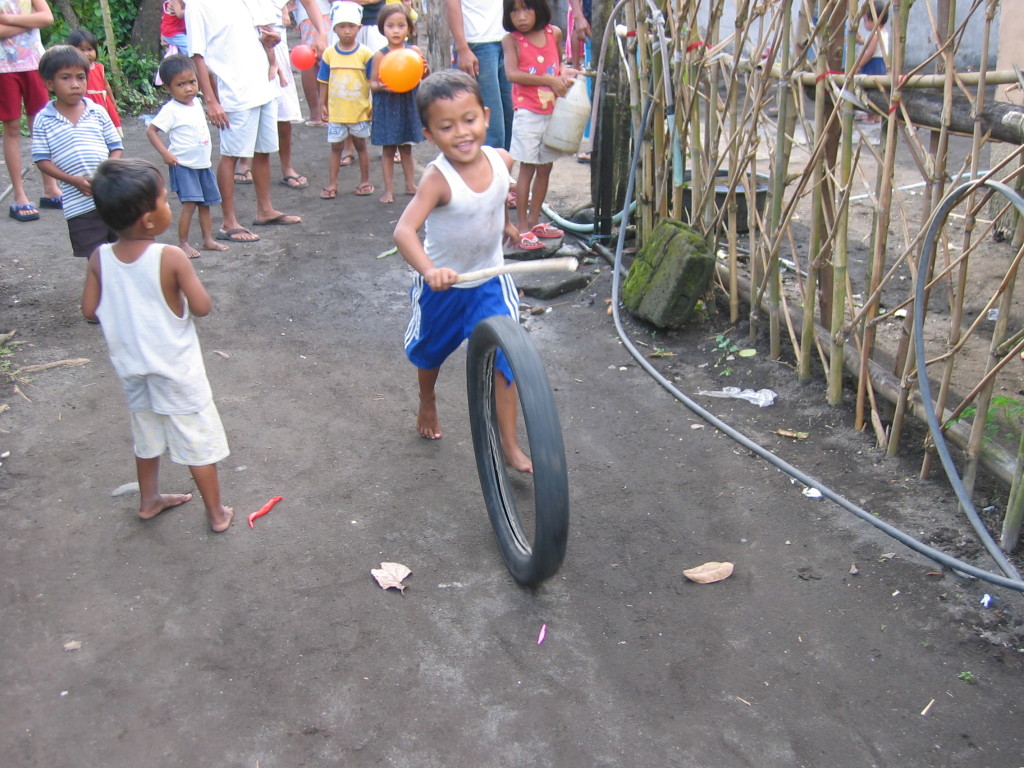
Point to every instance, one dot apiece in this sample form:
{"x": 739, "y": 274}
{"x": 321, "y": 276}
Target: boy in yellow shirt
{"x": 345, "y": 96}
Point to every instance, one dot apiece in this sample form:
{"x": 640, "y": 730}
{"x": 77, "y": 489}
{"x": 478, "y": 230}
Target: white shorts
{"x": 193, "y": 439}
{"x": 338, "y": 132}
{"x": 288, "y": 110}
{"x": 251, "y": 131}
{"x": 528, "y": 139}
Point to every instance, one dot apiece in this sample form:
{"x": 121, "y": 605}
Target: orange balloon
{"x": 401, "y": 70}
{"x": 303, "y": 57}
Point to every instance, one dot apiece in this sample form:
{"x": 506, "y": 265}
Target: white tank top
{"x": 155, "y": 353}
{"x": 466, "y": 234}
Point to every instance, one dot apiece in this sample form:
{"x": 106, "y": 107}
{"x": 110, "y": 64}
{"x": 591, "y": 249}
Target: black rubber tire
{"x": 529, "y": 561}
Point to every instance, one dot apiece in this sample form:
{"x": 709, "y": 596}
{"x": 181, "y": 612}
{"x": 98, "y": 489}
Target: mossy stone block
{"x": 646, "y": 263}
{"x": 671, "y": 272}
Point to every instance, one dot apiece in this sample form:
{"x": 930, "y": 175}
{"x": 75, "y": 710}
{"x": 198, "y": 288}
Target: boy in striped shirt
{"x": 71, "y": 136}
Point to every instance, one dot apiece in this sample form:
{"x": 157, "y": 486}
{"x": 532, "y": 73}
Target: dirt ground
{"x": 273, "y": 647}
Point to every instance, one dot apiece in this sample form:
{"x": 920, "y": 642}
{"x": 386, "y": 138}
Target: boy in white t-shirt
{"x": 189, "y": 165}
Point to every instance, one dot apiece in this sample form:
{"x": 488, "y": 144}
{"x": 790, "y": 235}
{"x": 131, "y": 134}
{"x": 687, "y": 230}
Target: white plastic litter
{"x": 762, "y": 397}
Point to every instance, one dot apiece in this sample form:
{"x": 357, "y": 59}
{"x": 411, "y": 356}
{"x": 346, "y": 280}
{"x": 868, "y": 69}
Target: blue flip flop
{"x": 51, "y": 202}
{"x": 26, "y": 212}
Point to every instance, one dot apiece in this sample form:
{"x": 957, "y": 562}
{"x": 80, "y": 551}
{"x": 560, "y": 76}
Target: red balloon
{"x": 401, "y": 70}
{"x": 303, "y": 57}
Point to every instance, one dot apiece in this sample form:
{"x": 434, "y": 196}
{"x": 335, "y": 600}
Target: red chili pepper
{"x": 264, "y": 509}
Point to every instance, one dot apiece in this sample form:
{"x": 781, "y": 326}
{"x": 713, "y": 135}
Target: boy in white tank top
{"x": 461, "y": 202}
{"x": 144, "y": 294}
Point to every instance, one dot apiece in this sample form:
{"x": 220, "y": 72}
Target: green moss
{"x": 669, "y": 275}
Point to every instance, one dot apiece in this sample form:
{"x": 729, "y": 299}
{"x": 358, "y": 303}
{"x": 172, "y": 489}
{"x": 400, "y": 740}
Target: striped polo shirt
{"x": 75, "y": 149}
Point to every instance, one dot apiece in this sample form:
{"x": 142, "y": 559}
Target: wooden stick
{"x": 564, "y": 264}
{"x": 56, "y": 364}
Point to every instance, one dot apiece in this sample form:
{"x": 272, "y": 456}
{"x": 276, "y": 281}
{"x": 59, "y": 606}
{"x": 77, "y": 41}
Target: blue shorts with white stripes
{"x": 442, "y": 320}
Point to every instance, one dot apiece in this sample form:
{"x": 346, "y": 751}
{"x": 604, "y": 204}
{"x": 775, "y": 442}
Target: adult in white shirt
{"x": 224, "y": 41}
{"x": 476, "y": 34}
{"x": 271, "y": 13}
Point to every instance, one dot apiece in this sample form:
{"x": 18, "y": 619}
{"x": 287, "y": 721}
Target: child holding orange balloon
{"x": 396, "y": 121}
{"x": 533, "y": 66}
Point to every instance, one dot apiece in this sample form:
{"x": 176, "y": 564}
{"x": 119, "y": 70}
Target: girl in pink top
{"x": 96, "y": 87}
{"x": 534, "y": 67}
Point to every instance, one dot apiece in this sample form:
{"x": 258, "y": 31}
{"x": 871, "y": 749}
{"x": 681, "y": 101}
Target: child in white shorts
{"x": 145, "y": 294}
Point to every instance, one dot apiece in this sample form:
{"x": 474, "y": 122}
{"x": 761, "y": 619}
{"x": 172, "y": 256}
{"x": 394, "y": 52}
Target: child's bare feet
{"x": 516, "y": 459}
{"x": 410, "y": 189}
{"x": 149, "y": 510}
{"x": 191, "y": 252}
{"x": 427, "y": 423}
{"x": 212, "y": 245}
{"x": 387, "y": 197}
{"x": 220, "y": 520}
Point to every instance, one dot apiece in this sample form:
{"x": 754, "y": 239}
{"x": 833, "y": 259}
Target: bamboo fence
{"x": 768, "y": 112}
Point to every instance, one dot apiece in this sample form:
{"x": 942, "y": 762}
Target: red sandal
{"x": 547, "y": 231}
{"x": 529, "y": 242}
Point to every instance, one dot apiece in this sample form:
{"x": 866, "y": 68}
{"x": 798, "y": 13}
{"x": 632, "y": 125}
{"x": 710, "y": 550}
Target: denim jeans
{"x": 496, "y": 92}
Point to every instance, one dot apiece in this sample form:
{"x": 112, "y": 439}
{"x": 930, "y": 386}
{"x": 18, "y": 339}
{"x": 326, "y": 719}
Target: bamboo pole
{"x": 841, "y": 250}
{"x": 882, "y": 214}
{"x": 111, "y": 44}
{"x": 960, "y": 292}
{"x": 1010, "y": 535}
{"x": 935, "y": 180}
{"x": 817, "y": 227}
{"x": 782, "y": 149}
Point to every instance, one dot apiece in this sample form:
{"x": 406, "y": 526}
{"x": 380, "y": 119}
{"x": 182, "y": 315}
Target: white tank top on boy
{"x": 155, "y": 353}
{"x": 466, "y": 234}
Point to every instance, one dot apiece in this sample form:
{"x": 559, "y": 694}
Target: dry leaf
{"x": 791, "y": 433}
{"x": 72, "y": 645}
{"x": 709, "y": 572}
{"x": 391, "y": 575}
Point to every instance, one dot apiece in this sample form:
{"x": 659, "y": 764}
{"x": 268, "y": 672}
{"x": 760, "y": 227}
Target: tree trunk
{"x": 439, "y": 50}
{"x": 64, "y": 9}
{"x": 146, "y": 30}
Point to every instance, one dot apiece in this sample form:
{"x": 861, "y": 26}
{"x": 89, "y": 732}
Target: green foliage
{"x": 90, "y": 16}
{"x": 138, "y": 93}
{"x": 7, "y": 369}
{"x": 136, "y": 90}
{"x": 968, "y": 677}
{"x": 1005, "y": 418}
{"x": 726, "y": 349}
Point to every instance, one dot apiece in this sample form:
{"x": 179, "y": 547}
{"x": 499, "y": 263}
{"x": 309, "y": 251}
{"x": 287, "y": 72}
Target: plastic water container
{"x": 569, "y": 119}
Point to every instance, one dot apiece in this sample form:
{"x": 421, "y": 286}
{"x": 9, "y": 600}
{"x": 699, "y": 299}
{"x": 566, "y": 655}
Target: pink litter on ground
{"x": 543, "y": 633}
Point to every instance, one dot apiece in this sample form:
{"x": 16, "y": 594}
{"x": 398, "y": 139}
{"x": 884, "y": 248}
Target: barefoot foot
{"x": 388, "y": 197}
{"x": 517, "y": 460}
{"x": 427, "y": 423}
{"x": 149, "y": 510}
{"x": 213, "y": 245}
{"x": 191, "y": 252}
{"x": 220, "y": 520}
